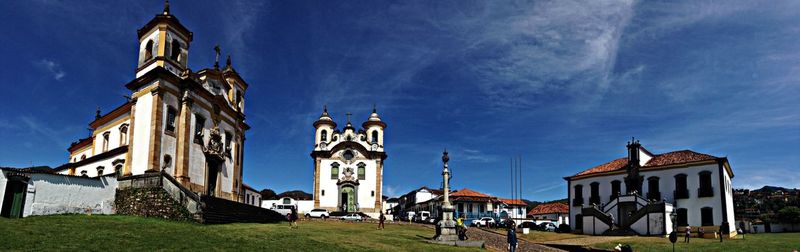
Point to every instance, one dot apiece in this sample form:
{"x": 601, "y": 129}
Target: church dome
{"x": 374, "y": 119}
{"x": 325, "y": 118}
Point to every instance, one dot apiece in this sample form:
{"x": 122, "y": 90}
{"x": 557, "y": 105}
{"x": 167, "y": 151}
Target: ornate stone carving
{"x": 214, "y": 147}
{"x": 348, "y": 176}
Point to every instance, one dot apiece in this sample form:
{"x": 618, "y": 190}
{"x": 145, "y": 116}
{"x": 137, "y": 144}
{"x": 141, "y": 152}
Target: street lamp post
{"x": 446, "y": 228}
{"x": 673, "y": 236}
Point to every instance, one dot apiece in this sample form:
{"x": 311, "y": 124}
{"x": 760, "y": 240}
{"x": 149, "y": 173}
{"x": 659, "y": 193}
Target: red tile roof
{"x": 549, "y": 208}
{"x": 669, "y": 158}
{"x": 469, "y": 193}
{"x": 516, "y": 202}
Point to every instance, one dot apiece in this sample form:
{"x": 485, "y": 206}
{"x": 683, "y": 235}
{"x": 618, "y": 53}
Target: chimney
{"x": 633, "y": 152}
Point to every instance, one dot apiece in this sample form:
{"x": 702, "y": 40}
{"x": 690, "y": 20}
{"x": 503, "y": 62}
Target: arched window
{"x": 100, "y": 170}
{"x": 84, "y": 174}
{"x": 83, "y": 157}
{"x": 172, "y": 113}
{"x": 335, "y": 171}
{"x": 176, "y": 50}
{"x": 167, "y": 162}
{"x": 123, "y": 134}
{"x": 361, "y": 171}
{"x": 375, "y": 136}
{"x": 148, "y": 50}
{"x": 323, "y": 136}
{"x": 105, "y": 140}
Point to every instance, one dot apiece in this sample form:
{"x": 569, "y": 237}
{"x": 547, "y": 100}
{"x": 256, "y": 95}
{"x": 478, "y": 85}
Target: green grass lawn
{"x": 112, "y": 233}
{"x": 751, "y": 242}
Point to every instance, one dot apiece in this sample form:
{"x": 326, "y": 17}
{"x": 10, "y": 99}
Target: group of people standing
{"x": 701, "y": 233}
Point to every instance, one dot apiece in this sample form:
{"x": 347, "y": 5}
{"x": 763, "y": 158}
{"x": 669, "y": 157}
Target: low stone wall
{"x": 150, "y": 202}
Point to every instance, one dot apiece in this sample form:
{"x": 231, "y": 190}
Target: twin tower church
{"x": 191, "y": 125}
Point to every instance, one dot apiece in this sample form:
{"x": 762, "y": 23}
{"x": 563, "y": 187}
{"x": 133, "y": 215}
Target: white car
{"x": 485, "y": 221}
{"x": 352, "y": 217}
{"x": 318, "y": 213}
{"x": 548, "y": 226}
{"x": 284, "y": 210}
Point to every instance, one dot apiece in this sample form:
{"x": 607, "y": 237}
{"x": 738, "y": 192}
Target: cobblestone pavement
{"x": 584, "y": 241}
{"x": 497, "y": 242}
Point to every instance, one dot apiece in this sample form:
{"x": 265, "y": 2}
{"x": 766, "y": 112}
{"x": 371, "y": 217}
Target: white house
{"x": 550, "y": 212}
{"x": 684, "y": 187}
{"x": 24, "y": 192}
{"x": 348, "y": 165}
{"x": 251, "y": 196}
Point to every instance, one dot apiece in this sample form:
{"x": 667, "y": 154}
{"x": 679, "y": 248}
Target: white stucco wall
{"x": 58, "y": 194}
{"x": 666, "y": 187}
{"x": 140, "y": 147}
{"x": 91, "y": 168}
{"x": 303, "y": 206}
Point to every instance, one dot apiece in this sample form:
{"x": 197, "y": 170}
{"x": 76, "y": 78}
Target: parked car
{"x": 284, "y": 210}
{"x": 528, "y": 224}
{"x": 484, "y": 222}
{"x": 422, "y": 216}
{"x": 318, "y": 213}
{"x": 352, "y": 217}
{"x": 548, "y": 226}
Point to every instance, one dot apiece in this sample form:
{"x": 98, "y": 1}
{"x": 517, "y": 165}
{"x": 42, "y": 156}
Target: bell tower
{"x": 163, "y": 42}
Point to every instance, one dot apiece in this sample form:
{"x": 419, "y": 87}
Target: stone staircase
{"x": 140, "y": 190}
{"x": 220, "y": 211}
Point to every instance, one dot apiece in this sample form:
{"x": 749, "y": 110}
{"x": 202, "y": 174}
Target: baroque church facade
{"x": 348, "y": 165}
{"x": 187, "y": 124}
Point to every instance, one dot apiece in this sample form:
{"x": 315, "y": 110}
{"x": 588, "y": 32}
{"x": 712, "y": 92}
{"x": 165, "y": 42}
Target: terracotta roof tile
{"x": 678, "y": 157}
{"x": 468, "y": 193}
{"x": 669, "y": 158}
{"x": 549, "y": 208}
{"x": 516, "y": 202}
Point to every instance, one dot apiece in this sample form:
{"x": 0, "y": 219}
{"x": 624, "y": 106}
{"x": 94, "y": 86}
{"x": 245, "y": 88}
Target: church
{"x": 348, "y": 165}
{"x": 661, "y": 193}
{"x": 183, "y": 123}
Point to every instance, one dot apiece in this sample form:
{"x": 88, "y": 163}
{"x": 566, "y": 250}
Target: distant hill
{"x": 39, "y": 169}
{"x": 269, "y": 194}
{"x": 774, "y": 189}
{"x": 532, "y": 204}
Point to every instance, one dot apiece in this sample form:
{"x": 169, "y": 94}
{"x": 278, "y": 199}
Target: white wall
{"x": 365, "y": 188}
{"x": 666, "y": 187}
{"x": 58, "y": 194}
{"x": 140, "y": 147}
{"x": 303, "y": 206}
{"x": 91, "y": 168}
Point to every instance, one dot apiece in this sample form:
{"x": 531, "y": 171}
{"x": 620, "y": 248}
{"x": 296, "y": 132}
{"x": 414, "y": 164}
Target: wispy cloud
{"x": 51, "y": 67}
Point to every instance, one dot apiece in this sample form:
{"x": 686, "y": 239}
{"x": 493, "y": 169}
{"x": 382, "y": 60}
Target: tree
{"x": 268, "y": 194}
{"x": 789, "y": 215}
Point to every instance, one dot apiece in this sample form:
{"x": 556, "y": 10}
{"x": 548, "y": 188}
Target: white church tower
{"x": 348, "y": 165}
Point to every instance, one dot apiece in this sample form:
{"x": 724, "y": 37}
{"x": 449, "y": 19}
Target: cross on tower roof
{"x": 348, "y": 116}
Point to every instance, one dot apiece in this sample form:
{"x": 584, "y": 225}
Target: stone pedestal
{"x": 446, "y": 228}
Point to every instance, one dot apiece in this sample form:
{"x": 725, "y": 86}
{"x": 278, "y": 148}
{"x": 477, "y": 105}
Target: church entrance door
{"x": 211, "y": 178}
{"x": 14, "y": 199}
{"x": 348, "y": 199}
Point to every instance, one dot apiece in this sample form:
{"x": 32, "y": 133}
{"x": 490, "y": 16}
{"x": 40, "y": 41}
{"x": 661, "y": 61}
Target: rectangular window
{"x": 682, "y": 218}
{"x": 228, "y": 146}
{"x": 482, "y": 208}
{"x": 469, "y": 207}
{"x": 199, "y": 123}
{"x": 361, "y": 173}
{"x": 171, "y": 113}
{"x": 595, "y": 193}
{"x": 705, "y": 190}
{"x": 578, "y": 192}
{"x": 681, "y": 190}
{"x": 105, "y": 141}
{"x": 460, "y": 208}
{"x": 707, "y": 216}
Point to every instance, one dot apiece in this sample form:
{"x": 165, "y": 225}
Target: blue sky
{"x": 564, "y": 84}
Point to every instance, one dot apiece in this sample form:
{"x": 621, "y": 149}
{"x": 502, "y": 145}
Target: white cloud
{"x": 52, "y": 67}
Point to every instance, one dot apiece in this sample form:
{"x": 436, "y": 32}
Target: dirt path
{"x": 497, "y": 242}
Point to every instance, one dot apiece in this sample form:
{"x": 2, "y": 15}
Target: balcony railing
{"x": 594, "y": 200}
{"x": 705, "y": 192}
{"x": 681, "y": 194}
{"x": 577, "y": 201}
{"x": 654, "y": 196}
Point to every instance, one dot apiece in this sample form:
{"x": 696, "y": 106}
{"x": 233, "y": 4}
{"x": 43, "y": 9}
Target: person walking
{"x": 722, "y": 230}
{"x": 512, "y": 239}
{"x": 688, "y": 234}
{"x": 294, "y": 218}
{"x": 381, "y": 219}
{"x": 701, "y": 233}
